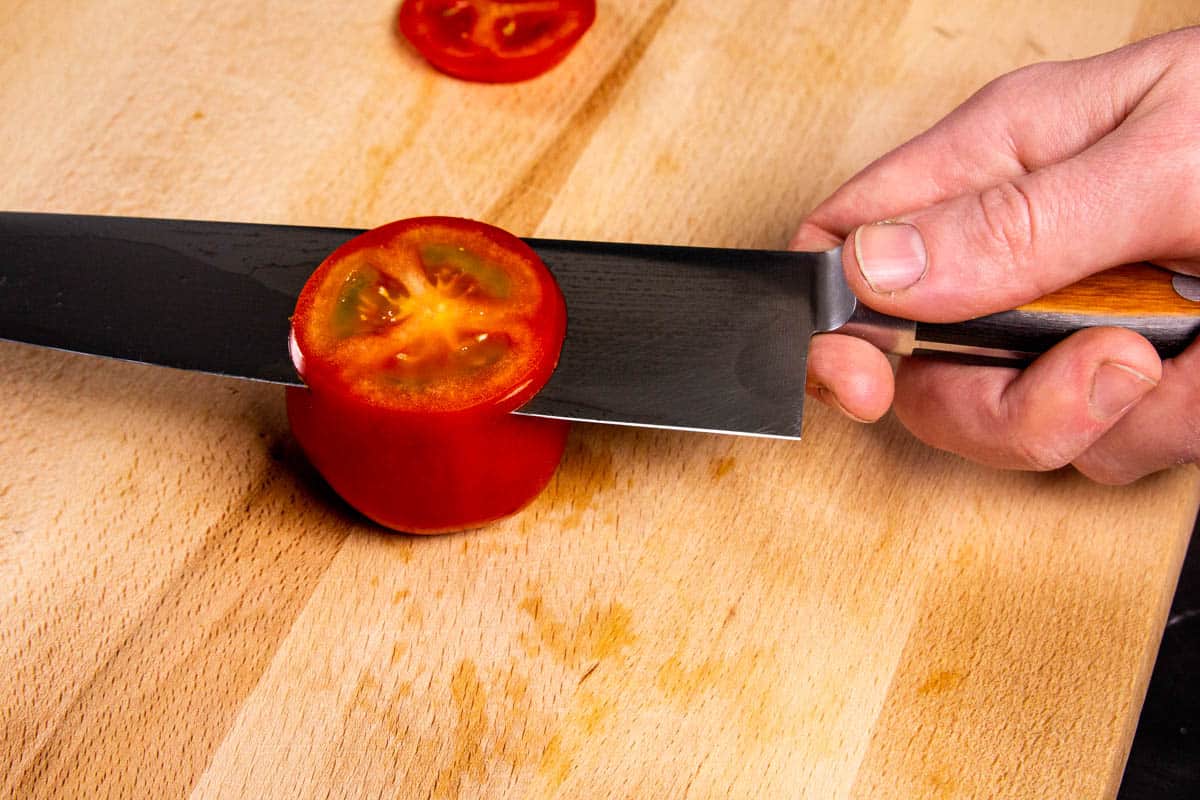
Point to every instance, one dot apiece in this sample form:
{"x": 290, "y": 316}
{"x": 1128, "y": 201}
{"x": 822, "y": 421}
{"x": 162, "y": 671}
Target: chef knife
{"x": 692, "y": 338}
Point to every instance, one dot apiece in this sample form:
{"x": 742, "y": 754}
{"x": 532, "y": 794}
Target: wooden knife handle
{"x": 1142, "y": 297}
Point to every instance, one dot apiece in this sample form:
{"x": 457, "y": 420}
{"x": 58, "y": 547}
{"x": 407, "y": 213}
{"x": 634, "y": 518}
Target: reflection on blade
{"x": 691, "y": 338}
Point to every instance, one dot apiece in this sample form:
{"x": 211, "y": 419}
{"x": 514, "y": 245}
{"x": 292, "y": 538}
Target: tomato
{"x": 415, "y": 341}
{"x": 495, "y": 41}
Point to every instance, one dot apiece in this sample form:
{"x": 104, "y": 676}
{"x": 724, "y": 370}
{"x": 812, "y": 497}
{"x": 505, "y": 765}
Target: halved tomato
{"x": 495, "y": 41}
{"x": 415, "y": 341}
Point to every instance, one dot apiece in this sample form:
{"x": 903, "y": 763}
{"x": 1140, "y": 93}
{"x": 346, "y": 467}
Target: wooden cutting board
{"x": 187, "y": 610}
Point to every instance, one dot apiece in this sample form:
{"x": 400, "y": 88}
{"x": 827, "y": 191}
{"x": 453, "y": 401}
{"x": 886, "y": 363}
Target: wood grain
{"x": 187, "y": 611}
{"x": 1134, "y": 290}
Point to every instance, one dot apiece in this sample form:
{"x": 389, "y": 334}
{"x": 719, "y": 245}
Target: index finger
{"x": 1018, "y": 123}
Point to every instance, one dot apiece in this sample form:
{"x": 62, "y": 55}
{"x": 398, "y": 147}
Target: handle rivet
{"x": 1187, "y": 287}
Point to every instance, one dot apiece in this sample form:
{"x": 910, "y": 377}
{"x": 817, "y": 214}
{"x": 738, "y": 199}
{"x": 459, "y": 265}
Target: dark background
{"x": 1165, "y": 759}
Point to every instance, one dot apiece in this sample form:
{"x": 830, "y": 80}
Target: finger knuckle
{"x": 1039, "y": 455}
{"x": 1187, "y": 447}
{"x": 1007, "y": 216}
{"x": 1015, "y": 85}
{"x": 1181, "y": 46}
{"x": 1030, "y": 444}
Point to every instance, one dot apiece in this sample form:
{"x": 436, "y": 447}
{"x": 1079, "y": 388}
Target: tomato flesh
{"x": 495, "y": 41}
{"x": 415, "y": 341}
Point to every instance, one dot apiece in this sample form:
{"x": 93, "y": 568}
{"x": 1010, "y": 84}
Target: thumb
{"x": 1023, "y": 238}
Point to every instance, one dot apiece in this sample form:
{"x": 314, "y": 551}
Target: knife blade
{"x": 694, "y": 338}
{"x": 706, "y": 339}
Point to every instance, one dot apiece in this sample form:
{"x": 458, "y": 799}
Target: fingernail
{"x": 1115, "y": 388}
{"x": 891, "y": 255}
{"x": 830, "y": 399}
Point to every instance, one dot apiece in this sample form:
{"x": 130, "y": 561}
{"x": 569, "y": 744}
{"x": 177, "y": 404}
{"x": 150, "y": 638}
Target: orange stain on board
{"x": 588, "y": 467}
{"x": 666, "y": 164}
{"x": 521, "y": 727}
{"x": 586, "y": 474}
{"x": 722, "y": 466}
{"x": 401, "y": 548}
{"x": 602, "y": 632}
{"x": 595, "y": 711}
{"x": 591, "y": 712}
{"x": 940, "y": 682}
{"x": 365, "y": 696}
{"x": 684, "y": 682}
{"x": 555, "y": 764}
{"x": 470, "y": 730}
{"x": 746, "y": 682}
{"x": 942, "y": 785}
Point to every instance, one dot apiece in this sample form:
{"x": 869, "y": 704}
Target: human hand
{"x": 1045, "y": 176}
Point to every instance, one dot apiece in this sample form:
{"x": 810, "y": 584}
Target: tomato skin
{"x": 430, "y": 476}
{"x": 405, "y": 464}
{"x": 462, "y": 52}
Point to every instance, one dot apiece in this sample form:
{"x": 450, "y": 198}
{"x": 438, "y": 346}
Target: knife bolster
{"x": 889, "y": 334}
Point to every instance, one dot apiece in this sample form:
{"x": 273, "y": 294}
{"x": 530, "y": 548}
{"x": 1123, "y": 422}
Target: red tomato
{"x": 415, "y": 341}
{"x": 495, "y": 41}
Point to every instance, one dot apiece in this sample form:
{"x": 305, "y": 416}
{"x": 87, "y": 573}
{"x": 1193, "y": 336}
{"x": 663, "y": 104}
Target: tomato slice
{"x": 433, "y": 314}
{"x": 495, "y": 41}
{"x": 415, "y": 341}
